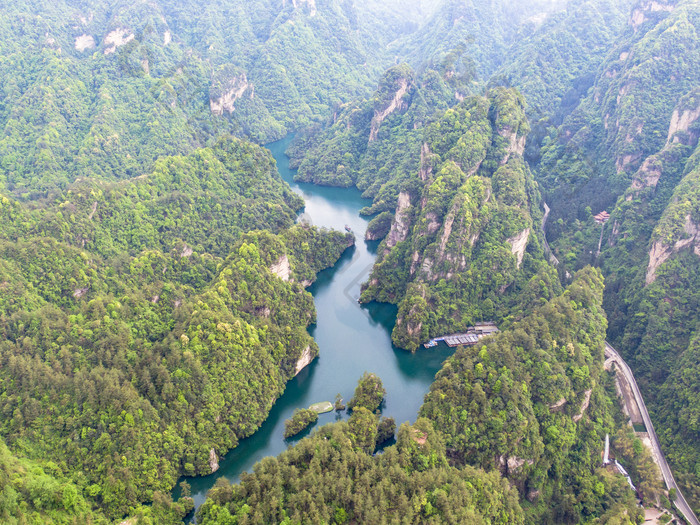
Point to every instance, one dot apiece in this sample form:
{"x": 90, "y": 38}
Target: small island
{"x": 300, "y": 420}
{"x": 369, "y": 393}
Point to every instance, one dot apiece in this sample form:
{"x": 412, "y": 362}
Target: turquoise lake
{"x": 352, "y": 338}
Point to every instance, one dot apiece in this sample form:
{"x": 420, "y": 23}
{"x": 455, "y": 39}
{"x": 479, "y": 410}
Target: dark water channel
{"x": 352, "y": 338}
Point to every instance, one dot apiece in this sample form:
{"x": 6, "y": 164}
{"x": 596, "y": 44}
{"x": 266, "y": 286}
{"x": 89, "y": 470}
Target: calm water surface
{"x": 352, "y": 338}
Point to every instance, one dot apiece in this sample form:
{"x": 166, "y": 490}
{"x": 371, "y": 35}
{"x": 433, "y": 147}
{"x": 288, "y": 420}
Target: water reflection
{"x": 352, "y": 338}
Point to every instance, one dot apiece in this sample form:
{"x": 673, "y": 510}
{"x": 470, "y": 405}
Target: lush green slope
{"x": 485, "y": 30}
{"x": 43, "y": 494}
{"x": 145, "y": 328}
{"x": 631, "y": 147}
{"x": 469, "y": 206}
{"x": 371, "y": 143}
{"x": 102, "y": 90}
{"x": 511, "y": 432}
{"x": 657, "y": 303}
{"x": 329, "y": 478}
{"x": 68, "y": 113}
{"x": 624, "y": 119}
{"x": 556, "y": 64}
{"x": 530, "y": 402}
{"x": 32, "y": 494}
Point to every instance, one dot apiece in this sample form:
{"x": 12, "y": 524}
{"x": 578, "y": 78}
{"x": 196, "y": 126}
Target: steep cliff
{"x": 461, "y": 238}
{"x": 627, "y": 116}
{"x": 631, "y": 148}
{"x": 526, "y": 398}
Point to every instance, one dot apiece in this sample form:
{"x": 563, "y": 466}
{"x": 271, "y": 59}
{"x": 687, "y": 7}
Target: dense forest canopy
{"x": 153, "y": 272}
{"x": 138, "y": 315}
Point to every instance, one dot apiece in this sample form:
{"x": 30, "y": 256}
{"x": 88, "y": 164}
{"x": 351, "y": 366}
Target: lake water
{"x": 352, "y": 338}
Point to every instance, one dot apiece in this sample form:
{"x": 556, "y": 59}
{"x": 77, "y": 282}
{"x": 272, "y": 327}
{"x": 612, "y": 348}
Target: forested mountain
{"x": 556, "y": 65}
{"x": 371, "y": 143}
{"x": 454, "y": 197}
{"x": 531, "y": 403}
{"x": 330, "y": 478}
{"x": 146, "y": 328}
{"x": 153, "y": 273}
{"x": 102, "y": 89}
{"x": 485, "y": 29}
{"x": 630, "y": 147}
{"x": 624, "y": 78}
{"x": 469, "y": 207}
{"x": 528, "y": 406}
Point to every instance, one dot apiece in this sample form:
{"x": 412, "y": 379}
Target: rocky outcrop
{"x": 433, "y": 223}
{"x": 625, "y": 160}
{"x": 232, "y": 91}
{"x": 372, "y": 235}
{"x": 401, "y": 223}
{"x": 84, "y": 42}
{"x": 584, "y": 406}
{"x": 282, "y": 268}
{"x": 658, "y": 255}
{"x": 516, "y": 145}
{"x": 117, "y": 38}
{"x": 305, "y": 360}
{"x": 533, "y": 495}
{"x": 512, "y": 464}
{"x": 414, "y": 330}
{"x": 379, "y": 227}
{"x": 679, "y": 131}
{"x": 681, "y": 120}
{"x": 213, "y": 461}
{"x": 396, "y": 103}
{"x": 518, "y": 245}
{"x": 411, "y": 322}
{"x": 556, "y": 407}
{"x": 167, "y": 38}
{"x": 639, "y": 15}
{"x": 426, "y": 170}
{"x": 297, "y": 3}
{"x": 660, "y": 251}
{"x": 80, "y": 292}
{"x": 446, "y": 232}
{"x": 647, "y": 176}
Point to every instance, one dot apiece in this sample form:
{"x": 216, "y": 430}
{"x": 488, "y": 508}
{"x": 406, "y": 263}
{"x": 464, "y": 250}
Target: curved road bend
{"x": 680, "y": 502}
{"x": 610, "y": 352}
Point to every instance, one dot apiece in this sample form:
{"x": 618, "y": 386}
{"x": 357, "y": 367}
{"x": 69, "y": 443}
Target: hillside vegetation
{"x": 630, "y": 147}
{"x": 144, "y": 331}
{"x": 510, "y": 432}
{"x": 153, "y": 274}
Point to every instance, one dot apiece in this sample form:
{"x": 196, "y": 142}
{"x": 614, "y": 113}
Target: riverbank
{"x": 352, "y": 338}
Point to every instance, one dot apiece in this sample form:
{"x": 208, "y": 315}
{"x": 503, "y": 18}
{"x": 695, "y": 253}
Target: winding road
{"x": 611, "y": 354}
{"x": 680, "y": 502}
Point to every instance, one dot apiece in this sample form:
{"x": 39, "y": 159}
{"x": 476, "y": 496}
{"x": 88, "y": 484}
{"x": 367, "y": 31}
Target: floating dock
{"x": 468, "y": 338}
{"x": 461, "y": 339}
